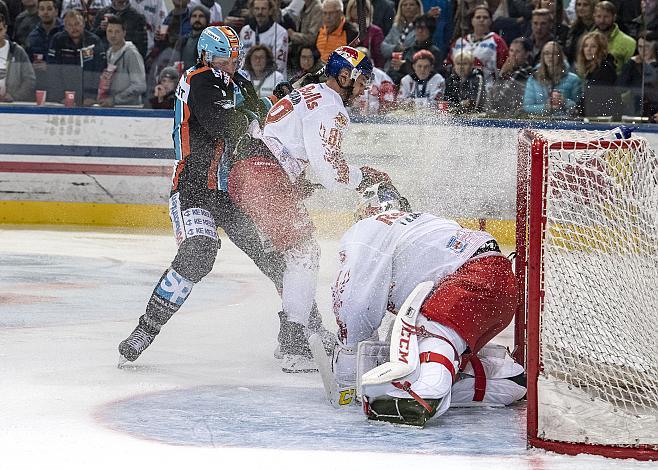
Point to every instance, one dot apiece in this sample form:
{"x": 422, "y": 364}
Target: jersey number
{"x": 279, "y": 111}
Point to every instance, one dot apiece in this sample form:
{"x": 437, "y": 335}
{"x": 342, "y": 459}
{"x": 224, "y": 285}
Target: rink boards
{"x": 113, "y": 168}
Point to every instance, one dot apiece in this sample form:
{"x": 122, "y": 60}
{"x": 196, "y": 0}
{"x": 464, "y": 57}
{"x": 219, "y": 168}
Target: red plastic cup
{"x": 396, "y": 55}
{"x": 40, "y": 97}
{"x": 180, "y": 66}
{"x": 442, "y": 106}
{"x": 69, "y": 99}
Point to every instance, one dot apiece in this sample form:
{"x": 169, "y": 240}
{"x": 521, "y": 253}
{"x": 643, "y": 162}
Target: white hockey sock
{"x": 300, "y": 280}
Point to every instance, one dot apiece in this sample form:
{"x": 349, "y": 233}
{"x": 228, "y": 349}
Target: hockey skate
{"x": 131, "y": 347}
{"x": 295, "y": 351}
{"x": 315, "y": 326}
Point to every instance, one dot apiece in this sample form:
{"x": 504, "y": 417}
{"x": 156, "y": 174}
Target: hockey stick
{"x": 324, "y": 367}
{"x": 361, "y": 14}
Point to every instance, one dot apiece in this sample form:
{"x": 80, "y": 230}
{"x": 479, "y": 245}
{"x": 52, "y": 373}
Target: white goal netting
{"x": 598, "y": 294}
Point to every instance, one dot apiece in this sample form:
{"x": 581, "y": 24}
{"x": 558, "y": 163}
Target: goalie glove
{"x": 371, "y": 176}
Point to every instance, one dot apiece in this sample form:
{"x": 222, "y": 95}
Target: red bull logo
{"x": 350, "y": 54}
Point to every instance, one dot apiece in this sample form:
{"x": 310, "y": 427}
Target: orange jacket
{"x": 328, "y": 42}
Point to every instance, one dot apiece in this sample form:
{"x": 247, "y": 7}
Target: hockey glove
{"x": 370, "y": 177}
{"x": 282, "y": 89}
{"x": 400, "y": 410}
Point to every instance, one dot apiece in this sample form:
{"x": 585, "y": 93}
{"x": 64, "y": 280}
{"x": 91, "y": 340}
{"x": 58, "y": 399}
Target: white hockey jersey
{"x": 430, "y": 91}
{"x": 276, "y": 38}
{"x": 306, "y": 128}
{"x": 384, "y": 257}
{"x": 155, "y": 11}
{"x": 265, "y": 87}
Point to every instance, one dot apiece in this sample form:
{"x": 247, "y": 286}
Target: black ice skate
{"x": 131, "y": 347}
{"x": 295, "y": 351}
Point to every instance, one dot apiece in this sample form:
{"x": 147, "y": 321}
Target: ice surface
{"x": 208, "y": 392}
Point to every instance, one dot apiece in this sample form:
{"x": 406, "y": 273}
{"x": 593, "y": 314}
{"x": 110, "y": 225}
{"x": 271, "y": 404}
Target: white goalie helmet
{"x": 378, "y": 198}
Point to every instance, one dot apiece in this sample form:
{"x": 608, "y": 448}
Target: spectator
{"x": 154, "y": 11}
{"x": 552, "y": 90}
{"x": 335, "y": 30}
{"x": 423, "y": 86}
{"x": 26, "y": 21}
{"x": 186, "y": 47}
{"x": 540, "y": 32}
{"x": 88, "y": 8}
{"x": 465, "y": 86}
{"x": 134, "y": 21}
{"x": 646, "y": 24}
{"x": 374, "y": 35}
{"x": 487, "y": 47}
{"x": 506, "y": 95}
{"x": 442, "y": 12}
{"x": 240, "y": 9}
{"x": 215, "y": 9}
{"x": 310, "y": 20}
{"x": 75, "y": 60}
{"x": 11, "y": 9}
{"x": 620, "y": 45}
{"x": 462, "y": 19}
{"x": 164, "y": 94}
{"x": 177, "y": 22}
{"x": 511, "y": 18}
{"x": 558, "y": 26}
{"x": 597, "y": 70}
{"x": 423, "y": 31}
{"x": 16, "y": 74}
{"x": 402, "y": 34}
{"x": 381, "y": 95}
{"x": 261, "y": 70}
{"x": 308, "y": 61}
{"x": 384, "y": 11}
{"x": 39, "y": 39}
{"x": 262, "y": 28}
{"x": 627, "y": 11}
{"x": 583, "y": 24}
{"x": 123, "y": 81}
{"x": 639, "y": 76}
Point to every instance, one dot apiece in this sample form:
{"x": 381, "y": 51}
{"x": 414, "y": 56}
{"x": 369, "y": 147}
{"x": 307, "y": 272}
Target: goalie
{"x": 452, "y": 290}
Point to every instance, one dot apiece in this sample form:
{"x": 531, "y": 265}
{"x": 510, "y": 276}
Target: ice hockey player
{"x": 452, "y": 290}
{"x": 214, "y": 107}
{"x": 304, "y": 129}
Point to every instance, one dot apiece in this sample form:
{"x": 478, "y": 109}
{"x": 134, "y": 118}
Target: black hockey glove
{"x": 282, "y": 89}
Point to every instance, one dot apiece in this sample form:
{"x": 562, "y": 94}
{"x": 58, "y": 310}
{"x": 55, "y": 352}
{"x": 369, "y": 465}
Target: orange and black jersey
{"x": 208, "y": 121}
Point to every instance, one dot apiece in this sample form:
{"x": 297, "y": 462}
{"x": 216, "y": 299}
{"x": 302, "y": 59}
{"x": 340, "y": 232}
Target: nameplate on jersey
{"x": 183, "y": 89}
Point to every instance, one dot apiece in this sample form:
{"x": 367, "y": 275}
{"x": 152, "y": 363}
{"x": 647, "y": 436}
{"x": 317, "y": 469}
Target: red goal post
{"x": 587, "y": 268}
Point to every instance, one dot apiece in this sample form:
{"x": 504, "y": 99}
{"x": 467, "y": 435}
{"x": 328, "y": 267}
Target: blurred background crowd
{"x": 500, "y": 58}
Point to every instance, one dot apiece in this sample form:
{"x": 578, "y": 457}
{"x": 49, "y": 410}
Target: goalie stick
{"x": 324, "y": 367}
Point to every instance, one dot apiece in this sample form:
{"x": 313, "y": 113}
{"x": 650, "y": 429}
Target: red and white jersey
{"x": 431, "y": 91}
{"x": 491, "y": 51}
{"x": 306, "y": 128}
{"x": 155, "y": 11}
{"x": 381, "y": 92}
{"x": 276, "y": 38}
{"x": 384, "y": 257}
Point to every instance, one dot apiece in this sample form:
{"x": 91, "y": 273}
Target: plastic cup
{"x": 69, "y": 99}
{"x": 180, "y": 66}
{"x": 396, "y": 55}
{"x": 40, "y": 97}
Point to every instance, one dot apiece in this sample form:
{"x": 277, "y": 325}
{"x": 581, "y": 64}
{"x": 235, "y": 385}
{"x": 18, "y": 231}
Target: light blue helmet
{"x": 219, "y": 41}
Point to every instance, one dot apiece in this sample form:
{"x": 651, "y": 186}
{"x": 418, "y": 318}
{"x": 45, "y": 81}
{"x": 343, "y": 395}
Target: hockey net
{"x": 587, "y": 266}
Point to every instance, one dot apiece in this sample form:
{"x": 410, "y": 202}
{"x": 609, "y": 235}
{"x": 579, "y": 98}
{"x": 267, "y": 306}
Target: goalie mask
{"x": 378, "y": 198}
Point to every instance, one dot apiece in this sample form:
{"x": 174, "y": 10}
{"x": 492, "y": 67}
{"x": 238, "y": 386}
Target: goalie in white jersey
{"x": 266, "y": 181}
{"x": 386, "y": 260}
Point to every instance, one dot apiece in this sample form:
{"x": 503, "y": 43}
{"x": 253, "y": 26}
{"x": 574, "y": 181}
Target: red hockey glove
{"x": 370, "y": 177}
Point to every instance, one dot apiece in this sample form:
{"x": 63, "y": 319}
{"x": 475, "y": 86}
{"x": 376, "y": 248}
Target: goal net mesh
{"x": 598, "y": 330}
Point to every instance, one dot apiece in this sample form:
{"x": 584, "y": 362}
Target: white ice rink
{"x": 208, "y": 393}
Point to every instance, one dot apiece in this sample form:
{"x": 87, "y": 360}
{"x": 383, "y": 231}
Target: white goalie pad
{"x": 403, "y": 352}
{"x": 369, "y": 355}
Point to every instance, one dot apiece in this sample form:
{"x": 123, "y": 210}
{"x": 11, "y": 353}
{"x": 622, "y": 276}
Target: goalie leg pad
{"x": 405, "y": 411}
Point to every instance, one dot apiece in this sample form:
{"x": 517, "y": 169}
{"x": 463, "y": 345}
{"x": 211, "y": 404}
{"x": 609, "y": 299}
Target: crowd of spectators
{"x": 508, "y": 58}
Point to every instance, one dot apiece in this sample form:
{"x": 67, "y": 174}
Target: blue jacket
{"x": 38, "y": 40}
{"x": 537, "y": 94}
{"x": 444, "y": 25}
